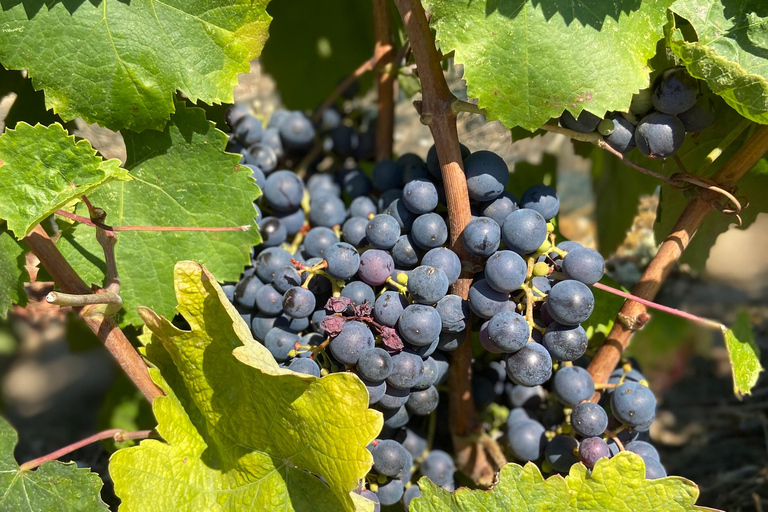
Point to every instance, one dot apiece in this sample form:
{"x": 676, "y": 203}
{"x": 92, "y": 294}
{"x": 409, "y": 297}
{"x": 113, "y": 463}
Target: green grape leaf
{"x": 119, "y": 63}
{"x": 743, "y": 353}
{"x": 181, "y": 177}
{"x": 731, "y": 52}
{"x": 615, "y": 484}
{"x": 43, "y": 168}
{"x": 313, "y": 45}
{"x": 52, "y": 487}
{"x": 240, "y": 432}
{"x": 12, "y": 272}
{"x": 527, "y": 60}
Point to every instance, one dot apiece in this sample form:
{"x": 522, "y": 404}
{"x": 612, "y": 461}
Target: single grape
{"x": 283, "y": 191}
{"x": 271, "y": 140}
{"x": 353, "y": 231}
{"x": 354, "y": 338}
{"x": 641, "y": 102}
{"x": 362, "y": 206}
{"x": 322, "y": 183}
{"x": 505, "y": 271}
{"x": 410, "y": 493}
{"x": 572, "y": 384}
{"x": 429, "y": 231}
{"x": 298, "y": 302}
{"x": 699, "y": 116}
{"x": 318, "y": 240}
{"x": 249, "y": 130}
{"x": 424, "y": 351}
{"x": 570, "y": 302}
{"x": 526, "y": 439}
{"x": 584, "y": 264}
{"x": 395, "y": 418}
{"x": 524, "y": 231}
{"x": 429, "y": 375}
{"x": 442, "y": 367}
{"x": 420, "y": 196}
{"x": 450, "y": 341}
{"x": 293, "y": 221}
{"x": 375, "y": 364}
{"x": 407, "y": 369}
{"x": 560, "y": 452}
{"x": 586, "y": 122}
{"x": 427, "y": 285}
{"x": 388, "y": 308}
{"x": 296, "y": 131}
{"x": 390, "y": 492}
{"x": 589, "y": 419}
{"x": 404, "y": 252}
{"x": 485, "y": 302}
{"x": 358, "y": 292}
{"x": 423, "y": 402}
{"x": 653, "y": 469}
{"x": 525, "y": 396}
{"x": 487, "y": 175}
{"x": 280, "y": 342}
{"x": 644, "y": 449}
{"x": 345, "y": 141}
{"x": 375, "y": 267}
{"x": 235, "y": 114}
{"x": 389, "y": 457}
{"x": 386, "y": 175}
{"x": 508, "y": 332}
{"x": 542, "y": 199}
{"x": 375, "y": 389}
{"x": 633, "y": 404}
{"x": 659, "y": 135}
{"x": 500, "y": 208}
{"x": 674, "y": 91}
{"x": 565, "y": 342}
{"x": 343, "y": 260}
{"x": 593, "y": 449}
{"x": 438, "y": 466}
{"x": 269, "y": 301}
{"x": 419, "y": 325}
{"x": 327, "y": 210}
{"x": 382, "y": 231}
{"x": 622, "y": 138}
{"x": 262, "y": 156}
{"x": 273, "y": 232}
{"x": 245, "y": 291}
{"x": 481, "y": 237}
{"x": 529, "y": 366}
{"x": 454, "y": 313}
{"x": 394, "y": 398}
{"x": 401, "y": 214}
{"x": 304, "y": 365}
{"x": 443, "y": 259}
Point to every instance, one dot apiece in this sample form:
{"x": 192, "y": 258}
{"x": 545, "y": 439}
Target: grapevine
{"x": 321, "y": 320}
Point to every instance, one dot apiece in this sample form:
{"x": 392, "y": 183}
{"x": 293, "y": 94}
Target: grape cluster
{"x": 353, "y": 274}
{"x": 658, "y": 118}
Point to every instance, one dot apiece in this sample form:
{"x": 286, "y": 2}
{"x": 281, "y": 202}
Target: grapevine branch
{"x": 103, "y": 326}
{"x": 117, "y": 434}
{"x": 384, "y": 54}
{"x": 437, "y": 111}
{"x": 633, "y": 314}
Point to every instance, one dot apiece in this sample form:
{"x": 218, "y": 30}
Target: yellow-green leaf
{"x": 616, "y": 484}
{"x": 240, "y": 432}
{"x": 743, "y": 353}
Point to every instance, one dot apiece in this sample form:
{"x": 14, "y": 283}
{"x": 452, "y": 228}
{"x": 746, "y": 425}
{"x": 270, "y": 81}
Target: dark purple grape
{"x": 593, "y": 449}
